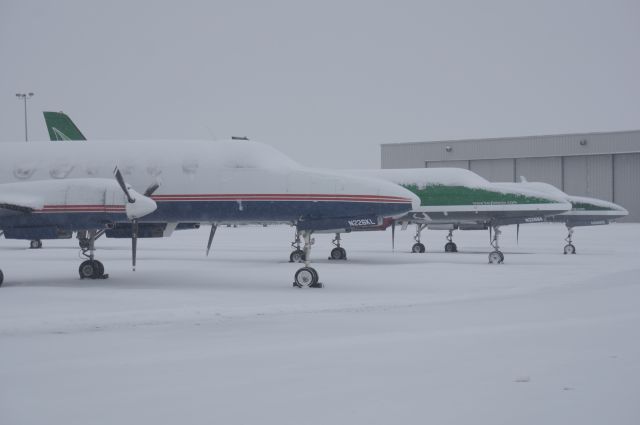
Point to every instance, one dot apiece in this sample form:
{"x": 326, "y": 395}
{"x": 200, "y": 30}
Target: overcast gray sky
{"x": 326, "y": 81}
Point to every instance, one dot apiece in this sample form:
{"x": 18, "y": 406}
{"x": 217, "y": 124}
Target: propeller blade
{"x": 151, "y": 189}
{"x": 490, "y": 234}
{"x": 134, "y": 242}
{"x": 393, "y": 236}
{"x": 211, "y": 235}
{"x": 123, "y": 185}
{"x": 517, "y": 233}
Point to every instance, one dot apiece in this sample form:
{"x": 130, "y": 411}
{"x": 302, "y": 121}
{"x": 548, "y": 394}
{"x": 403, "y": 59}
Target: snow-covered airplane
{"x": 46, "y": 188}
{"x": 450, "y": 199}
{"x": 454, "y": 198}
{"x": 584, "y": 211}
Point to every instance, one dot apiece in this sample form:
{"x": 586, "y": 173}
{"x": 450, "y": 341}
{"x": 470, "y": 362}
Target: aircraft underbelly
{"x": 213, "y": 211}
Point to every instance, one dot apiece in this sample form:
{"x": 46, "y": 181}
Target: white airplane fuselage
{"x": 199, "y": 181}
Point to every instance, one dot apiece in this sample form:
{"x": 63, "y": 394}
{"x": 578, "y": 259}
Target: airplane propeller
{"x": 137, "y": 206}
{"x": 517, "y": 233}
{"x": 123, "y": 185}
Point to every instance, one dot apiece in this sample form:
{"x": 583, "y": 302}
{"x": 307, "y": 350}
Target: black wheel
{"x": 569, "y": 249}
{"x": 450, "y": 247}
{"x": 296, "y": 256}
{"x": 306, "y": 276}
{"x": 90, "y": 269}
{"x": 418, "y": 248}
{"x": 35, "y": 244}
{"x": 496, "y": 257}
{"x": 1, "y": 277}
{"x": 338, "y": 254}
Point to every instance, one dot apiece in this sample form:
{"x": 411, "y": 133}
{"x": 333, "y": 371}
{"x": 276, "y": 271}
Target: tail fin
{"x": 61, "y": 127}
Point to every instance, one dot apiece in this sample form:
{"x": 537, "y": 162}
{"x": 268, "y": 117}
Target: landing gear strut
{"x": 418, "y": 247}
{"x": 450, "y": 246}
{"x": 91, "y": 268}
{"x": 85, "y": 236}
{"x": 35, "y": 244}
{"x": 306, "y": 276}
{"x": 337, "y": 253}
{"x": 569, "y": 248}
{"x": 496, "y": 257}
{"x": 297, "y": 255}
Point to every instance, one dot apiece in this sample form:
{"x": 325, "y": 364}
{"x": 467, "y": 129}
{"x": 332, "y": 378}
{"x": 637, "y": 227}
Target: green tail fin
{"x": 61, "y": 127}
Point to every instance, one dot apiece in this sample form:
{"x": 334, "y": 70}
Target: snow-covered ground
{"x": 393, "y": 338}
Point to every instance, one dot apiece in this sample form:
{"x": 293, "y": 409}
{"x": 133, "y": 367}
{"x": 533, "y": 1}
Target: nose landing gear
{"x": 496, "y": 256}
{"x": 91, "y": 268}
{"x": 450, "y": 246}
{"x": 569, "y": 248}
{"x": 307, "y": 275}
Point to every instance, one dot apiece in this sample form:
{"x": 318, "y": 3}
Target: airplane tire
{"x": 306, "y": 276}
{"x": 569, "y": 249}
{"x": 496, "y": 257}
{"x": 450, "y": 247}
{"x": 418, "y": 248}
{"x": 338, "y": 253}
{"x": 35, "y": 244}
{"x": 297, "y": 256}
{"x": 91, "y": 269}
{"x": 1, "y": 277}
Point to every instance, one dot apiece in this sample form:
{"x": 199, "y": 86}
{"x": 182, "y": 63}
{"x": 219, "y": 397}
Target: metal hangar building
{"x": 599, "y": 165}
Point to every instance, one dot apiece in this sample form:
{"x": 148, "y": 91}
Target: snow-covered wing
{"x": 12, "y": 202}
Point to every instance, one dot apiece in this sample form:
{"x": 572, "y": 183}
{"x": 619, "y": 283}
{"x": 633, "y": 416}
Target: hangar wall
{"x": 599, "y": 165}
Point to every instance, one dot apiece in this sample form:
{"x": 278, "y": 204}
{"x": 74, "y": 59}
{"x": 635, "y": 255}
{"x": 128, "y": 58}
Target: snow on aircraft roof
{"x": 226, "y": 153}
{"x": 552, "y": 190}
{"x": 422, "y": 177}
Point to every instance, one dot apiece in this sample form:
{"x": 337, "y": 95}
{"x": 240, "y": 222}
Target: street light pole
{"x": 24, "y": 97}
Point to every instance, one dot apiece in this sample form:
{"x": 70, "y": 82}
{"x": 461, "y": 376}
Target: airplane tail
{"x": 61, "y": 127}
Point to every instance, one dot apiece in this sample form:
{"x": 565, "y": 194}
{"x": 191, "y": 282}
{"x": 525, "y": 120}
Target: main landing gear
{"x": 337, "y": 253}
{"x": 91, "y": 268}
{"x": 35, "y": 244}
{"x": 418, "y": 247}
{"x": 450, "y": 246}
{"x": 569, "y": 248}
{"x": 306, "y": 276}
{"x": 496, "y": 257}
{"x": 297, "y": 255}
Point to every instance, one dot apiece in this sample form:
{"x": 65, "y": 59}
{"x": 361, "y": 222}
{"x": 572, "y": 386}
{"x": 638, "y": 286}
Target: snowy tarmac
{"x": 393, "y": 338}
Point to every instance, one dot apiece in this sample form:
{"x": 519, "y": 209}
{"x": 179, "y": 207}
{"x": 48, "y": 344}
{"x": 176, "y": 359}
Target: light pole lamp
{"x": 24, "y": 97}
